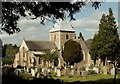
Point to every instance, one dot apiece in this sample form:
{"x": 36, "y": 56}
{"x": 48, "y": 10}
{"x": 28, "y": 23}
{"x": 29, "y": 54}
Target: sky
{"x": 87, "y": 21}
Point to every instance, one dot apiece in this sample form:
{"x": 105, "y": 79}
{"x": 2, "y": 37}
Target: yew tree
{"x": 72, "y": 52}
{"x": 106, "y": 43}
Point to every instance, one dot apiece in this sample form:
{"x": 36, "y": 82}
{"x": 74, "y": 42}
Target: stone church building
{"x": 30, "y": 52}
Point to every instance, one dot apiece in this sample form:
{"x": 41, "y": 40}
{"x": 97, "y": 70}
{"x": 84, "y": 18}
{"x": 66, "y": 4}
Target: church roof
{"x": 62, "y": 25}
{"x": 40, "y": 45}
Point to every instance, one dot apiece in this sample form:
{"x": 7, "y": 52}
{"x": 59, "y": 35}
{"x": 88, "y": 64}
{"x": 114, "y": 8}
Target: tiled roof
{"x": 62, "y": 25}
{"x": 40, "y": 45}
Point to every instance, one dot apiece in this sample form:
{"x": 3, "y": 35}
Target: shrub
{"x": 25, "y": 75}
{"x": 90, "y": 72}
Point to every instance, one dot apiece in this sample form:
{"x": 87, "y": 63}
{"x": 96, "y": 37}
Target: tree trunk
{"x": 114, "y": 80}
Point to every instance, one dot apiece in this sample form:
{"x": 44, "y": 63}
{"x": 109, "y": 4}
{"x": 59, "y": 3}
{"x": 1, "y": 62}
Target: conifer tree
{"x": 106, "y": 41}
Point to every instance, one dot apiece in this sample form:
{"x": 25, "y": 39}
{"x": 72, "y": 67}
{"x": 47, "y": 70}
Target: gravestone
{"x": 78, "y": 72}
{"x": 45, "y": 71}
{"x": 42, "y": 70}
{"x": 36, "y": 69}
{"x": 96, "y": 70}
{"x": 52, "y": 64}
{"x": 58, "y": 72}
{"x": 42, "y": 63}
{"x": 84, "y": 73}
{"x": 113, "y": 71}
{"x": 86, "y": 68}
{"x": 27, "y": 69}
{"x": 66, "y": 72}
{"x": 72, "y": 71}
{"x": 105, "y": 70}
{"x": 38, "y": 75}
{"x": 55, "y": 69}
{"x": 49, "y": 70}
{"x": 110, "y": 67}
{"x": 32, "y": 72}
{"x": 59, "y": 62}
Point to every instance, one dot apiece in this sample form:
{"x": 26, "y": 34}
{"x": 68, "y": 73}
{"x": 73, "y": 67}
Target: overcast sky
{"x": 86, "y": 22}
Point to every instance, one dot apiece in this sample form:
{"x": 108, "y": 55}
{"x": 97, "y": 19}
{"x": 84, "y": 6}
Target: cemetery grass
{"x": 95, "y": 77}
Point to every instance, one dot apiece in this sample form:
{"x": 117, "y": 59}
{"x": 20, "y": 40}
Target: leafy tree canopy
{"x": 72, "y": 52}
{"x": 9, "y": 50}
{"x": 50, "y": 56}
{"x": 12, "y": 11}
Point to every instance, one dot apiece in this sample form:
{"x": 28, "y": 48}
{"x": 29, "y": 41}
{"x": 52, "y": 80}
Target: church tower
{"x": 61, "y": 32}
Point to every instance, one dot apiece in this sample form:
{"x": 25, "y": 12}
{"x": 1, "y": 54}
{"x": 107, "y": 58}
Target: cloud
{"x": 91, "y": 30}
{"x": 85, "y": 23}
{"x": 30, "y": 30}
{"x": 112, "y": 1}
{"x": 91, "y": 22}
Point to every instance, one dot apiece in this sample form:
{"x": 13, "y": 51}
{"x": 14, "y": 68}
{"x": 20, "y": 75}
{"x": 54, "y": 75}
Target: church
{"x": 30, "y": 52}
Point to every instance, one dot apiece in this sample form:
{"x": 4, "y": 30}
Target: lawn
{"x": 88, "y": 78}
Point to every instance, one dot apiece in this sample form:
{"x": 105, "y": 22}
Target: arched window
{"x": 34, "y": 62}
{"x": 67, "y": 37}
{"x": 39, "y": 60}
{"x": 23, "y": 51}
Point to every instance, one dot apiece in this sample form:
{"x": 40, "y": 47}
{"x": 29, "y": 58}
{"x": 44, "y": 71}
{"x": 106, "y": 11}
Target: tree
{"x": 8, "y": 61}
{"x": 72, "y": 52}
{"x": 98, "y": 40}
{"x": 50, "y": 56}
{"x": 106, "y": 41}
{"x": 12, "y": 11}
{"x": 9, "y": 50}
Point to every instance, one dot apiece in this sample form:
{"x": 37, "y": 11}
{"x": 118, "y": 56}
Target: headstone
{"x": 49, "y": 63}
{"x": 39, "y": 70}
{"x": 72, "y": 67}
{"x": 49, "y": 70}
{"x": 78, "y": 72}
{"x": 42, "y": 63}
{"x": 73, "y": 72}
{"x": 110, "y": 67}
{"x": 38, "y": 75}
{"x": 32, "y": 72}
{"x": 84, "y": 73}
{"x": 59, "y": 63}
{"x": 105, "y": 70}
{"x": 113, "y": 71}
{"x": 27, "y": 69}
{"x": 66, "y": 72}
{"x": 96, "y": 70}
{"x": 42, "y": 70}
{"x": 55, "y": 69}
{"x": 45, "y": 71}
{"x": 58, "y": 72}
{"x": 52, "y": 64}
{"x": 36, "y": 69}
{"x": 86, "y": 68}
{"x": 17, "y": 72}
